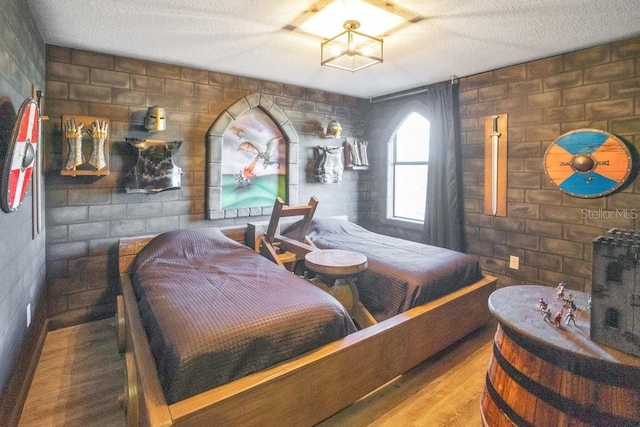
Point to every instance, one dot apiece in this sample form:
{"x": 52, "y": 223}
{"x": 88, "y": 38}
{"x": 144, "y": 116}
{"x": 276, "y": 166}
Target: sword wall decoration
{"x": 495, "y": 169}
{"x": 495, "y": 135}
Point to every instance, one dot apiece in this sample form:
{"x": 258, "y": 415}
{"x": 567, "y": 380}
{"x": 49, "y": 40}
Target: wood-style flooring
{"x": 78, "y": 379}
{"x": 80, "y": 375}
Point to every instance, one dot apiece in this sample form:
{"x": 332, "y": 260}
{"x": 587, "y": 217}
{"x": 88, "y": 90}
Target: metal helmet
{"x": 156, "y": 119}
{"x": 333, "y": 129}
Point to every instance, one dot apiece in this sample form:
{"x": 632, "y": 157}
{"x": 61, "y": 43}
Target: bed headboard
{"x": 129, "y": 247}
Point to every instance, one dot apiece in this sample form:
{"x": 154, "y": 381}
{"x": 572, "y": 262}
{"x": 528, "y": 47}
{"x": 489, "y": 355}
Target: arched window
{"x": 410, "y": 166}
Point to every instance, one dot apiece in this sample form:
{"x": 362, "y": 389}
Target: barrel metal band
{"x": 586, "y": 414}
{"x": 596, "y": 370}
{"x": 502, "y": 405}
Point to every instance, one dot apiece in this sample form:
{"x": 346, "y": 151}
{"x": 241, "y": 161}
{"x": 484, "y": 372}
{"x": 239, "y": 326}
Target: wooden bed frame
{"x": 304, "y": 390}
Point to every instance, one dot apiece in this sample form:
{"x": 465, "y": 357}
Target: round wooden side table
{"x": 335, "y": 273}
{"x": 544, "y": 374}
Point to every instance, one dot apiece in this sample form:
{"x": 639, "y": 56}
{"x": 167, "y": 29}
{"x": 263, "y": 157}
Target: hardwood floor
{"x": 445, "y": 390}
{"x": 79, "y": 376}
{"x": 81, "y": 373}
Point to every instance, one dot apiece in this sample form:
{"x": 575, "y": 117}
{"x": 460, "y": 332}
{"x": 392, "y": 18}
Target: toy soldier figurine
{"x": 560, "y": 290}
{"x": 558, "y": 319}
{"x": 568, "y": 303}
{"x": 547, "y": 315}
{"x": 543, "y": 305}
{"x": 570, "y": 317}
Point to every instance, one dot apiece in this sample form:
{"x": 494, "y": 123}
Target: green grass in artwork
{"x": 261, "y": 192}
{"x": 282, "y": 187}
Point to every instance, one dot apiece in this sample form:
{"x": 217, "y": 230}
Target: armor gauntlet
{"x": 73, "y": 134}
{"x": 98, "y": 133}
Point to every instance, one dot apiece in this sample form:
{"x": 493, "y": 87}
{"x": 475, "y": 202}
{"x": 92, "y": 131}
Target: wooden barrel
{"x": 537, "y": 379}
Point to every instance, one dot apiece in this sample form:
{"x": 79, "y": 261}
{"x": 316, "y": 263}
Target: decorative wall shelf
{"x": 85, "y": 168}
{"x": 84, "y": 172}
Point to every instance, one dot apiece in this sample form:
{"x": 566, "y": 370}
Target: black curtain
{"x": 443, "y": 224}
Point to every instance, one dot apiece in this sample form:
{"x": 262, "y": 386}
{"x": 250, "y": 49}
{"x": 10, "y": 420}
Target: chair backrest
{"x": 280, "y": 210}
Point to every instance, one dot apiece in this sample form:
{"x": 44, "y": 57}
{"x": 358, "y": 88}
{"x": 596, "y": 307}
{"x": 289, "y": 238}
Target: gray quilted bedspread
{"x": 401, "y": 274}
{"x": 215, "y": 311}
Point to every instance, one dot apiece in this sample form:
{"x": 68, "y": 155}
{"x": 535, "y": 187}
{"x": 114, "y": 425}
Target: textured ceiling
{"x": 254, "y": 38}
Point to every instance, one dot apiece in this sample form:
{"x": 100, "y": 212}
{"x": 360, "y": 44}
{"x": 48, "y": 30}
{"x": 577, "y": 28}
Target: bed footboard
{"x": 309, "y": 388}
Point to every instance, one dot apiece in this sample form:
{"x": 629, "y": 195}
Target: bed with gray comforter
{"x": 214, "y": 311}
{"x": 401, "y": 274}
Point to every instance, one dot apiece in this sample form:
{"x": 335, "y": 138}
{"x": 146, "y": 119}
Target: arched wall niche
{"x": 214, "y": 140}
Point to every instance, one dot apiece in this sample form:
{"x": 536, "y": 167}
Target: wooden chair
{"x": 282, "y": 250}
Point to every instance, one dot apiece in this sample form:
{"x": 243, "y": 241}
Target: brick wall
{"x": 22, "y": 263}
{"x": 551, "y": 232}
{"x": 86, "y": 215}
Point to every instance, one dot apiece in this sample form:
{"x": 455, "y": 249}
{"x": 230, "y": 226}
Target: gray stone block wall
{"x": 551, "y": 232}
{"x": 22, "y": 255}
{"x": 89, "y": 214}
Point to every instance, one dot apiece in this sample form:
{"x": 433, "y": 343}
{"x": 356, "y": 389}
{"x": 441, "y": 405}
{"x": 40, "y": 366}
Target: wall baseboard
{"x": 15, "y": 396}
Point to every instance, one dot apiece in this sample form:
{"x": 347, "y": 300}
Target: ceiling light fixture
{"x": 351, "y": 50}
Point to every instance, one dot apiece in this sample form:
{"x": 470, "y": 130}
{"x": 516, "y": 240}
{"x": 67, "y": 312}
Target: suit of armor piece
{"x": 155, "y": 170}
{"x": 329, "y": 167}
{"x": 98, "y": 133}
{"x": 358, "y": 152}
{"x": 333, "y": 129}
{"x": 73, "y": 133}
{"x": 156, "y": 119}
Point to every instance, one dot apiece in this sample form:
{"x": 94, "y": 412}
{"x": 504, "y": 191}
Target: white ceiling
{"x": 249, "y": 37}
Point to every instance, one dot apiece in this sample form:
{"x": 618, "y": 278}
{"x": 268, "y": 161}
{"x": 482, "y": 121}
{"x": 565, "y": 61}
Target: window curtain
{"x": 443, "y": 223}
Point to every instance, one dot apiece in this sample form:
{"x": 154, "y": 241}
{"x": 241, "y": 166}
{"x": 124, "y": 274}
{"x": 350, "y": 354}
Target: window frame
{"x": 389, "y": 213}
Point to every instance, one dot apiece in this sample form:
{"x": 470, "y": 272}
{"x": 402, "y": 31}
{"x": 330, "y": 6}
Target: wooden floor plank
{"x": 443, "y": 390}
{"x": 80, "y": 374}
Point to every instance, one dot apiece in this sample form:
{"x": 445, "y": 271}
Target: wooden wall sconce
{"x": 495, "y": 165}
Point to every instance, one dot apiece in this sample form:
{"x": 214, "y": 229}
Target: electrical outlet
{"x": 514, "y": 262}
{"x": 28, "y": 315}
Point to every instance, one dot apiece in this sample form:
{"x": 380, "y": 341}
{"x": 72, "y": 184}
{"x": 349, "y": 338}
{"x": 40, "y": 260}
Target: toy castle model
{"x": 615, "y": 309}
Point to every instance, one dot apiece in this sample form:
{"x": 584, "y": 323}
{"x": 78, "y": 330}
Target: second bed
{"x": 401, "y": 274}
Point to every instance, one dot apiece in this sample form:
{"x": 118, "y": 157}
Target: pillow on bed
{"x": 324, "y": 225}
{"x": 190, "y": 243}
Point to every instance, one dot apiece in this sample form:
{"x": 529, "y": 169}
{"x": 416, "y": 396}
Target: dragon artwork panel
{"x": 254, "y": 162}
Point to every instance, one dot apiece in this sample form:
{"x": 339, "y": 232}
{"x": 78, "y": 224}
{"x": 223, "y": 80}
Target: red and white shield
{"x": 21, "y": 156}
